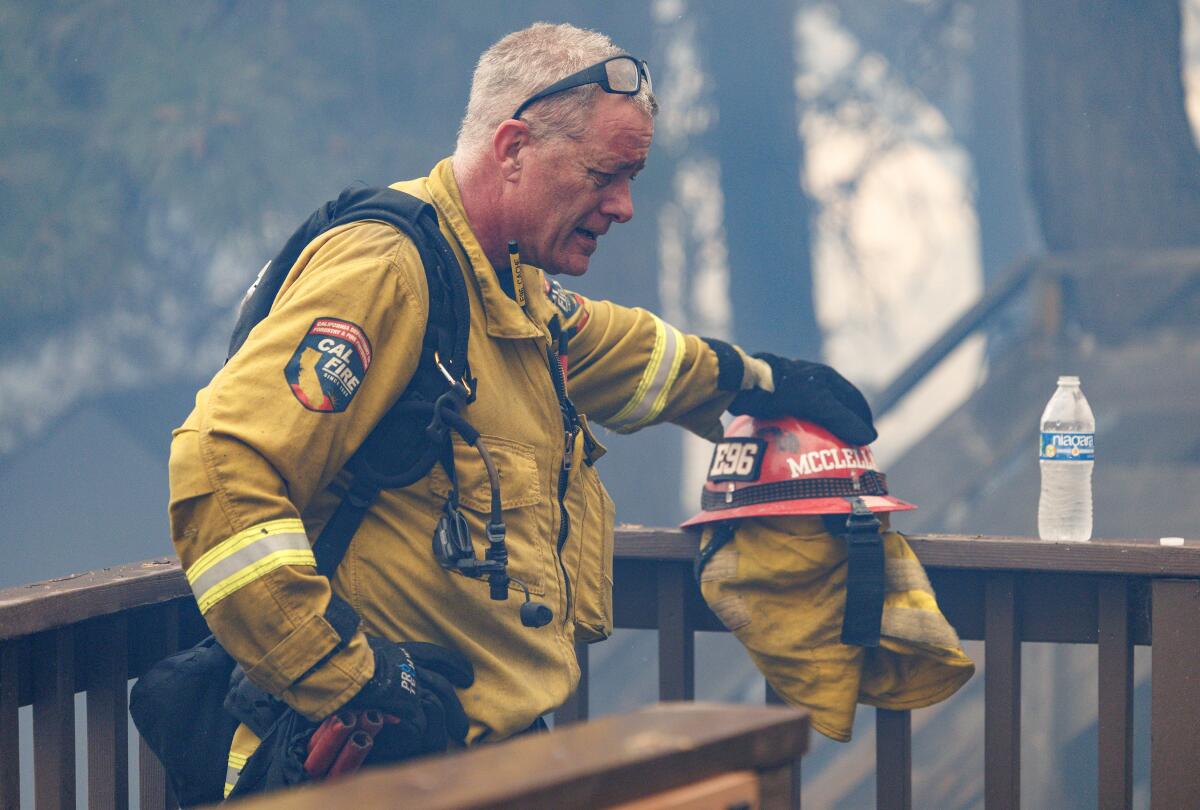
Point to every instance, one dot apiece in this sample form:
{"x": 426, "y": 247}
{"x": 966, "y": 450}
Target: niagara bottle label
{"x": 1068, "y": 447}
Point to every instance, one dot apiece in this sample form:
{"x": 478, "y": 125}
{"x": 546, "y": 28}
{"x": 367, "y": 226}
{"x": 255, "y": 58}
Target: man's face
{"x": 572, "y": 191}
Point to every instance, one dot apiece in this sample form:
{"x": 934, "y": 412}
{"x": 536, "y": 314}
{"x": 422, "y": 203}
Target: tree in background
{"x": 1113, "y": 160}
{"x": 767, "y": 214}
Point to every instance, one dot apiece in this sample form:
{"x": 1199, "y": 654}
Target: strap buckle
{"x": 861, "y": 520}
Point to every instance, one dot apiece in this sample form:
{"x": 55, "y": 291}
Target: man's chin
{"x": 574, "y": 266}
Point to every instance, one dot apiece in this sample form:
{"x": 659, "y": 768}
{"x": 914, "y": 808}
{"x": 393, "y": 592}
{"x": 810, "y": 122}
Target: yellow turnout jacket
{"x": 254, "y": 470}
{"x": 780, "y": 586}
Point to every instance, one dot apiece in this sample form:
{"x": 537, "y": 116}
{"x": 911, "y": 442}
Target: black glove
{"x": 414, "y": 681}
{"x": 813, "y": 392}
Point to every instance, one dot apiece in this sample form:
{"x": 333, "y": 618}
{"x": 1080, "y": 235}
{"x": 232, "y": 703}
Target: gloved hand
{"x": 810, "y": 391}
{"x": 414, "y": 681}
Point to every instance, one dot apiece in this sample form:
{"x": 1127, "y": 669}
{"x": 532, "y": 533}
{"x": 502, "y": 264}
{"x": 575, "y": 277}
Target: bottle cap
{"x": 1068, "y": 380}
{"x": 1170, "y": 541}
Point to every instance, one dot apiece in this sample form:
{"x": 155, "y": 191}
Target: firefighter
{"x": 797, "y": 559}
{"x": 558, "y": 124}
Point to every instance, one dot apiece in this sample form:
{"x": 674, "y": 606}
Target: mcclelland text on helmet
{"x": 847, "y": 458}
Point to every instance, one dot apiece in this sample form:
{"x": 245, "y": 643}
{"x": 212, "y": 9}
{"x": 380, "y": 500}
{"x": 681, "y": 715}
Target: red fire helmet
{"x": 787, "y": 466}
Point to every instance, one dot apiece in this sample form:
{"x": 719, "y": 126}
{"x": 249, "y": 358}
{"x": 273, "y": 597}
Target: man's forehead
{"x": 620, "y": 142}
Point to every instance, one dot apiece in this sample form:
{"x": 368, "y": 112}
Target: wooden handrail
{"x": 28, "y": 609}
{"x": 598, "y": 764}
{"x": 91, "y": 632}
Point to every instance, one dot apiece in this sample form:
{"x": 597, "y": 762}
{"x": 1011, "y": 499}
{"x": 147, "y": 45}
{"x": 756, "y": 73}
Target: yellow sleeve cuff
{"x": 328, "y": 687}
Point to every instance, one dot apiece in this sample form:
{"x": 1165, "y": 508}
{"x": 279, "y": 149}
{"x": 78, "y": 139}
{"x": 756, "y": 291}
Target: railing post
{"x": 1115, "y": 696}
{"x": 576, "y": 707}
{"x": 792, "y": 778}
{"x": 1174, "y": 709}
{"x": 153, "y": 789}
{"x": 676, "y": 647}
{"x": 108, "y": 715}
{"x": 10, "y": 738}
{"x": 779, "y": 788}
{"x": 1002, "y": 695}
{"x": 54, "y": 719}
{"x": 893, "y": 760}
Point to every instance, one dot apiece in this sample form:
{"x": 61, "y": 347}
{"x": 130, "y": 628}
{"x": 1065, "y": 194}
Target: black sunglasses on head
{"x": 618, "y": 74}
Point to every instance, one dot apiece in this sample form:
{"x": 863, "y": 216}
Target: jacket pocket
{"x": 185, "y": 469}
{"x": 189, "y": 505}
{"x": 590, "y": 560}
{"x": 516, "y": 469}
{"x": 529, "y": 558}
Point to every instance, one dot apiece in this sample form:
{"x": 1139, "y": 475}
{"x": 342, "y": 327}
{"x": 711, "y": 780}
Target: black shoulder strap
{"x": 398, "y": 451}
{"x": 413, "y": 217}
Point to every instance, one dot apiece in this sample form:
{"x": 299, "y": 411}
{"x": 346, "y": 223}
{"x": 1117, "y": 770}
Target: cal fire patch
{"x": 569, "y": 304}
{"x": 329, "y": 365}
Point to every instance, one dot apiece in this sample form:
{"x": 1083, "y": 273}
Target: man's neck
{"x": 481, "y": 202}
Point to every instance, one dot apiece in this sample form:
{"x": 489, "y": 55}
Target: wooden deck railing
{"x": 742, "y": 755}
{"x": 93, "y": 632}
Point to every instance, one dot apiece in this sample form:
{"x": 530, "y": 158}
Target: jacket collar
{"x": 503, "y": 317}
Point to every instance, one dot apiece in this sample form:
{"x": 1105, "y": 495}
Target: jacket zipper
{"x": 570, "y": 429}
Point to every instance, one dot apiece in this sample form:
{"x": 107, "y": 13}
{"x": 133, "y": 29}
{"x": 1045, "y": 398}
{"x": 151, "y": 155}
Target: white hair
{"x": 525, "y": 62}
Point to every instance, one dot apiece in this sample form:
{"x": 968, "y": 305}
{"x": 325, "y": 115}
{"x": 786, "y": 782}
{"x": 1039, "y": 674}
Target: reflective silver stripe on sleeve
{"x": 247, "y": 556}
{"x": 660, "y": 375}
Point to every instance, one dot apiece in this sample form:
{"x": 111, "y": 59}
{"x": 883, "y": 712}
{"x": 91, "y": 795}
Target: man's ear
{"x": 509, "y": 141}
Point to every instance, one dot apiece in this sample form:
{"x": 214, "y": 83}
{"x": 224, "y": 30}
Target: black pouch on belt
{"x": 864, "y": 576}
{"x": 176, "y": 707}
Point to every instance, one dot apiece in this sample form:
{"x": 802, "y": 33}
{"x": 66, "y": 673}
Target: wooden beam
{"x": 1115, "y": 710}
{"x": 11, "y": 655}
{"x": 54, "y": 719}
{"x": 1174, "y": 709}
{"x": 28, "y": 609}
{"x": 108, "y": 715}
{"x": 163, "y": 639}
{"x": 676, "y": 640}
{"x": 1002, "y": 696}
{"x": 601, "y": 763}
{"x": 893, "y": 760}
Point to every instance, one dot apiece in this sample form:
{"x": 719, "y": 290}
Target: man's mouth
{"x": 584, "y": 232}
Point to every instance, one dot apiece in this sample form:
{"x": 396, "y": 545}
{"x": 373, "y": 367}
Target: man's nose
{"x": 618, "y": 203}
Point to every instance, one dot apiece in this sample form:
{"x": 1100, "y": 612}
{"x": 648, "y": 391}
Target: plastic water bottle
{"x": 1068, "y": 451}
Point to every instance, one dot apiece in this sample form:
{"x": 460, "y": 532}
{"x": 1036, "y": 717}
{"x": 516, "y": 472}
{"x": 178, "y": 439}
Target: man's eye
{"x": 601, "y": 179}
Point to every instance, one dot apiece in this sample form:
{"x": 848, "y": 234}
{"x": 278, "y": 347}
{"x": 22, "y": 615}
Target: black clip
{"x": 497, "y": 556}
{"x": 452, "y": 539}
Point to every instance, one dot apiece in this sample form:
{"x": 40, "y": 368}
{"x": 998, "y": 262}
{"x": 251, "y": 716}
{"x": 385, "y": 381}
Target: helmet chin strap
{"x": 864, "y": 576}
